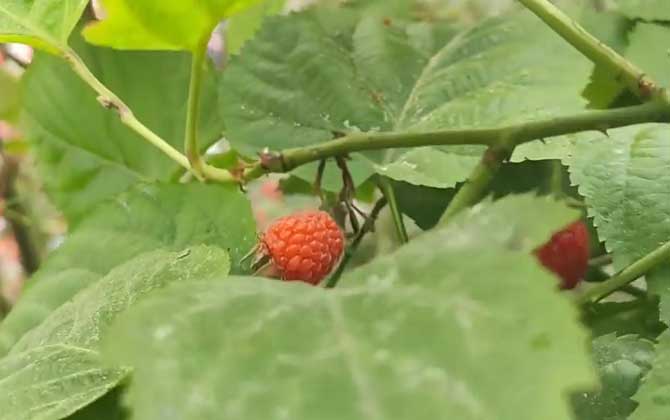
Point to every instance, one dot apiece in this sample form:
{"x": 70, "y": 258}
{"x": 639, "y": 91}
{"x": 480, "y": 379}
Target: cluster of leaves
{"x": 148, "y": 297}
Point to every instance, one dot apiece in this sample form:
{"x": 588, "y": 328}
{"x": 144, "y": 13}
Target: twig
{"x": 387, "y": 189}
{"x": 600, "y": 54}
{"x": 28, "y": 252}
{"x": 513, "y": 135}
{"x": 368, "y": 226}
{"x": 191, "y": 147}
{"x": 627, "y": 275}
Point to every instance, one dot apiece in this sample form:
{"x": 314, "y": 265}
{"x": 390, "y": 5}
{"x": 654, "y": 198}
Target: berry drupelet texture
{"x": 567, "y": 254}
{"x": 304, "y": 246}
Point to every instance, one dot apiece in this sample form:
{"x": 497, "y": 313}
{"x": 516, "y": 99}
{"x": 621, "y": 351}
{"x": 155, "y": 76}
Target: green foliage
{"x": 613, "y": 174}
{"x": 88, "y": 156}
{"x": 655, "y": 65}
{"x": 341, "y": 74}
{"x": 645, "y": 9}
{"x": 151, "y": 217}
{"x": 56, "y": 369}
{"x": 621, "y": 363}
{"x": 243, "y": 26}
{"x": 161, "y": 25}
{"x": 653, "y": 393}
{"x": 45, "y": 24}
{"x": 10, "y": 97}
{"x": 412, "y": 334}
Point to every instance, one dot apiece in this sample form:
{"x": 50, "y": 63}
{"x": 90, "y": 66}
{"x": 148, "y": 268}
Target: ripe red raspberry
{"x": 304, "y": 246}
{"x": 567, "y": 254}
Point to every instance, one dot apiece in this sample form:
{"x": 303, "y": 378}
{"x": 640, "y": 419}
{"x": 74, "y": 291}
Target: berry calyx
{"x": 567, "y": 254}
{"x": 304, "y": 246}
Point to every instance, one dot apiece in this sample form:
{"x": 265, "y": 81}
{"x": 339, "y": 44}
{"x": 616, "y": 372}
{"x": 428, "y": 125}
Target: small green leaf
{"x": 655, "y": 62}
{"x": 621, "y": 362}
{"x": 150, "y": 217}
{"x": 243, "y": 26}
{"x": 654, "y": 403}
{"x": 645, "y": 9}
{"x": 84, "y": 153}
{"x": 161, "y": 24}
{"x": 639, "y": 317}
{"x": 45, "y": 24}
{"x": 55, "y": 369}
{"x": 448, "y": 324}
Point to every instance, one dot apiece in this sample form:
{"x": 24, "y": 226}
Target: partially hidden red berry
{"x": 567, "y": 254}
{"x": 304, "y": 246}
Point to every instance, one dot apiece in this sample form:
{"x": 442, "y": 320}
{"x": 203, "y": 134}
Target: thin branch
{"x": 368, "y": 226}
{"x": 600, "y": 54}
{"x": 475, "y": 187}
{"x": 110, "y": 100}
{"x": 387, "y": 189}
{"x": 504, "y": 136}
{"x": 627, "y": 275}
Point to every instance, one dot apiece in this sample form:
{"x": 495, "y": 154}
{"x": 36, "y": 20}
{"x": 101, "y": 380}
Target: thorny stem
{"x": 110, "y": 100}
{"x": 368, "y": 226}
{"x": 600, "y": 54}
{"x": 627, "y": 275}
{"x": 501, "y": 137}
{"x": 387, "y": 189}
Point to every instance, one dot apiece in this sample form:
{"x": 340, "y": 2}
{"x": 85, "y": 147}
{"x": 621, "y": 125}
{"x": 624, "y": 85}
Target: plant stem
{"x": 475, "y": 187}
{"x": 110, "y": 100}
{"x": 191, "y": 147}
{"x": 600, "y": 54}
{"x": 368, "y": 226}
{"x": 627, "y": 275}
{"x": 511, "y": 135}
{"x": 388, "y": 192}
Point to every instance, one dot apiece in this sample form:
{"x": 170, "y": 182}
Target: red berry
{"x": 304, "y": 246}
{"x": 567, "y": 254}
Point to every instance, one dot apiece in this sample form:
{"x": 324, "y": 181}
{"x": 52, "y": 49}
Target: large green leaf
{"x": 149, "y": 217}
{"x": 308, "y": 77}
{"x": 645, "y": 9}
{"x": 623, "y": 178}
{"x": 44, "y": 24}
{"x": 447, "y": 326}
{"x": 86, "y": 155}
{"x": 652, "y": 397}
{"x": 622, "y": 362}
{"x": 161, "y": 24}
{"x": 56, "y": 369}
{"x": 656, "y": 65}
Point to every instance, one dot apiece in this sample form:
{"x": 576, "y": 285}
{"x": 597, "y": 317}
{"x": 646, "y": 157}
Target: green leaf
{"x": 161, "y": 24}
{"x": 44, "y": 24}
{"x": 108, "y": 407}
{"x": 623, "y": 179}
{"x": 85, "y": 154}
{"x": 447, "y": 324}
{"x": 10, "y": 97}
{"x": 308, "y": 77}
{"x": 645, "y": 9}
{"x": 639, "y": 317}
{"x": 652, "y": 397}
{"x": 611, "y": 29}
{"x": 656, "y": 63}
{"x": 243, "y": 26}
{"x": 621, "y": 362}
{"x": 424, "y": 205}
{"x": 149, "y": 217}
{"x": 56, "y": 369}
